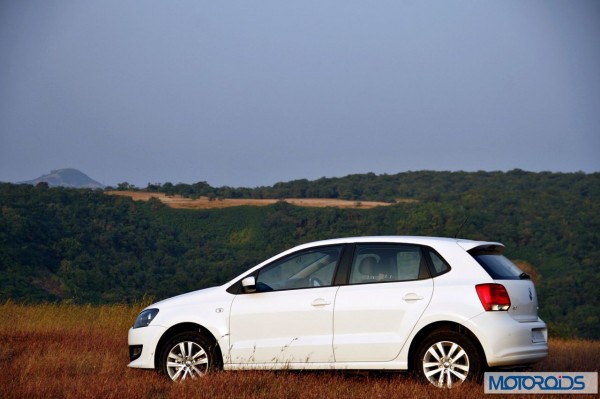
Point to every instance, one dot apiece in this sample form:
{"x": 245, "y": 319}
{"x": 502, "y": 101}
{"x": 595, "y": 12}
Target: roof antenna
{"x": 461, "y": 226}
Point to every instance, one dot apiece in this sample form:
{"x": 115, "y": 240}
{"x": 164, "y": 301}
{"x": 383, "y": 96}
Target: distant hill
{"x": 72, "y": 178}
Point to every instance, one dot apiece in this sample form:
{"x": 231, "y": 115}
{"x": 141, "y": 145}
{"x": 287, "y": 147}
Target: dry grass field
{"x": 78, "y": 351}
{"x": 177, "y": 201}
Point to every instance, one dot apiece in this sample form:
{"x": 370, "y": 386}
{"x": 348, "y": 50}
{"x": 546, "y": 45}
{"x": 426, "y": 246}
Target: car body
{"x": 447, "y": 308}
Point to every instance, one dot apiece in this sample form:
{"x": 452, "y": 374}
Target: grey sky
{"x": 249, "y": 93}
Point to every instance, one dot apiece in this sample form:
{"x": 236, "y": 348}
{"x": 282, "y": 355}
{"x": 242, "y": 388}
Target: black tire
{"x": 188, "y": 355}
{"x": 447, "y": 358}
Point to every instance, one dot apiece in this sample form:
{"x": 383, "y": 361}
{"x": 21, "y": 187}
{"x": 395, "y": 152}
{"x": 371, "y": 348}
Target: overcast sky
{"x": 249, "y": 93}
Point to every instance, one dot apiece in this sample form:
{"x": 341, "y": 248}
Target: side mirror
{"x": 249, "y": 285}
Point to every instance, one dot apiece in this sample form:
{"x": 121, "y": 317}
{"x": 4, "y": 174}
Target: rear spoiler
{"x": 480, "y": 247}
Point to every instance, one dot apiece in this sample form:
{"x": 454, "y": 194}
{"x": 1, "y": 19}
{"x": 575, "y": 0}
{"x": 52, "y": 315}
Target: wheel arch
{"x": 180, "y": 328}
{"x": 442, "y": 326}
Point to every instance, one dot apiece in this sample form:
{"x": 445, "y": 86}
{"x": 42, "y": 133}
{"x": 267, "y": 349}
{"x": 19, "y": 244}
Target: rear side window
{"x": 499, "y": 267}
{"x": 387, "y": 262}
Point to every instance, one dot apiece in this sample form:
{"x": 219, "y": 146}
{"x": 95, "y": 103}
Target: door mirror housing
{"x": 249, "y": 285}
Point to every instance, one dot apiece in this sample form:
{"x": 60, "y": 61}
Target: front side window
{"x": 387, "y": 262}
{"x": 310, "y": 268}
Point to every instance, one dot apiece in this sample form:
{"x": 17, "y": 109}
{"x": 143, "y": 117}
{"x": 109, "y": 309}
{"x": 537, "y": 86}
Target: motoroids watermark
{"x": 547, "y": 382}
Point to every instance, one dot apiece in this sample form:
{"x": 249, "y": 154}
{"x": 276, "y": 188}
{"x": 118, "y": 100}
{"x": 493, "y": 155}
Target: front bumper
{"x": 142, "y": 345}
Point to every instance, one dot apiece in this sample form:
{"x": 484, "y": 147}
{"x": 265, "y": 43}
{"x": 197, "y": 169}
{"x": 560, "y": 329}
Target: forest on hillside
{"x": 424, "y": 185}
{"x": 84, "y": 246}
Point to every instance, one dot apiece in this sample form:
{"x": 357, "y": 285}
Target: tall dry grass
{"x": 74, "y": 351}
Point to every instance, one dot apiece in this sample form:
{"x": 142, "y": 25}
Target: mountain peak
{"x": 67, "y": 177}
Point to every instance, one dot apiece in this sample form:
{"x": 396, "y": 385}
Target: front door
{"x": 290, "y": 317}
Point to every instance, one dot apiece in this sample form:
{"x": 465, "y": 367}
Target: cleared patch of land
{"x": 177, "y": 201}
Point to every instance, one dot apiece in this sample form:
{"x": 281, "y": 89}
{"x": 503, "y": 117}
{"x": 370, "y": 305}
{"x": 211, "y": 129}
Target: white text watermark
{"x": 541, "y": 382}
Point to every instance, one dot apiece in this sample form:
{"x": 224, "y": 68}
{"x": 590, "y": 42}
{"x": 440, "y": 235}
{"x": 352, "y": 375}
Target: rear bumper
{"x": 507, "y": 342}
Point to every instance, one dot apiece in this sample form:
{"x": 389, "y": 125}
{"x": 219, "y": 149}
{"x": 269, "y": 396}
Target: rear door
{"x": 388, "y": 290}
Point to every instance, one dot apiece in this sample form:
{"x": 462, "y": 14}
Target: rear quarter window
{"x": 440, "y": 266}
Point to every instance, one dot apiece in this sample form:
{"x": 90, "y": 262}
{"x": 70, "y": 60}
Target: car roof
{"x": 421, "y": 240}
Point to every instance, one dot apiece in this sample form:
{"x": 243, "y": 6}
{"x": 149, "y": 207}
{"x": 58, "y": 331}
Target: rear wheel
{"x": 188, "y": 355}
{"x": 447, "y": 358}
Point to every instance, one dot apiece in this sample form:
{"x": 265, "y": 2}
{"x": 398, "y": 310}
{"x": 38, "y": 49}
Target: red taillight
{"x": 493, "y": 296}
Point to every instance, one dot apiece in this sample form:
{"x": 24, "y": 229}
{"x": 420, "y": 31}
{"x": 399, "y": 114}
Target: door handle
{"x": 320, "y": 302}
{"x": 412, "y": 297}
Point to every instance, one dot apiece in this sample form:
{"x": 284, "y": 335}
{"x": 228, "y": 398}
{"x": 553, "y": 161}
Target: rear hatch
{"x": 520, "y": 288}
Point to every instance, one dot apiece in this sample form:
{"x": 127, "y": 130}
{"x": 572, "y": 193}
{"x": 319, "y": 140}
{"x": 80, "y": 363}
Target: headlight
{"x": 145, "y": 318}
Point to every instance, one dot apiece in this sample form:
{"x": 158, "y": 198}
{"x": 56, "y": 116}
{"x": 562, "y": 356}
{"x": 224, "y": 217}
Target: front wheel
{"x": 447, "y": 358}
{"x": 187, "y": 355}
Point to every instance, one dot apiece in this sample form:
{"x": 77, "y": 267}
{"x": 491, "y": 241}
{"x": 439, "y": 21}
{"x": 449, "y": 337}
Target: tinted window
{"x": 439, "y": 264}
{"x": 499, "y": 267}
{"x": 387, "y": 262}
{"x": 311, "y": 268}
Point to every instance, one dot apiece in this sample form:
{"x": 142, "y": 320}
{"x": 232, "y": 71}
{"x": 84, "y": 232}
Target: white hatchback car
{"x": 445, "y": 308}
